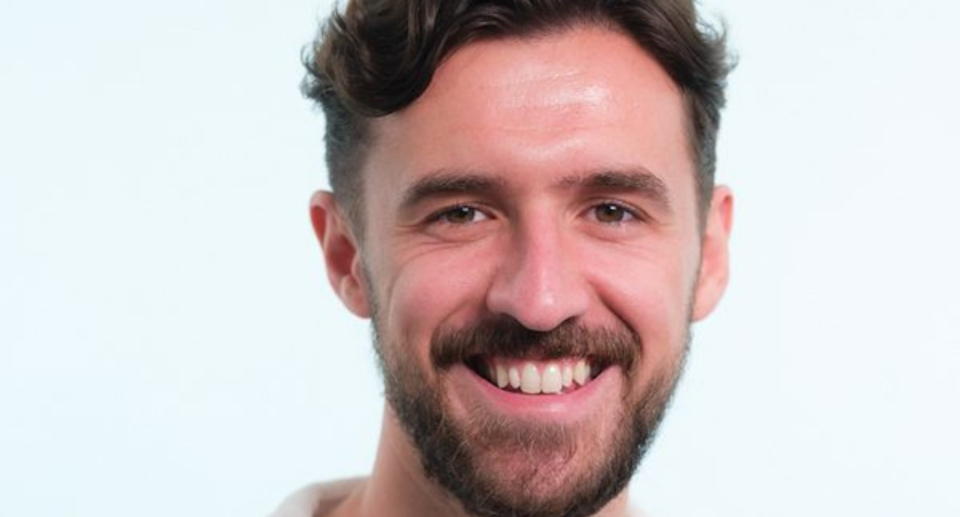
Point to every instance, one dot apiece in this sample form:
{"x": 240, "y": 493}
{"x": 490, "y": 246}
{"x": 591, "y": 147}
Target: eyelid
{"x": 437, "y": 215}
{"x": 634, "y": 211}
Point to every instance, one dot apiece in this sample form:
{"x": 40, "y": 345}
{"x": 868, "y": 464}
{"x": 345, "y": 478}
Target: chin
{"x": 497, "y": 466}
{"x": 500, "y": 452}
{"x": 552, "y": 471}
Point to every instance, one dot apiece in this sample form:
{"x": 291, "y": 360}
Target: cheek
{"x": 430, "y": 291}
{"x": 651, "y": 295}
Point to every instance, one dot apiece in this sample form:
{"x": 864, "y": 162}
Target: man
{"x": 523, "y": 203}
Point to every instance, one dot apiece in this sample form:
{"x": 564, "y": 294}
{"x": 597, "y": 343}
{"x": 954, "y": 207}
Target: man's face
{"x": 532, "y": 261}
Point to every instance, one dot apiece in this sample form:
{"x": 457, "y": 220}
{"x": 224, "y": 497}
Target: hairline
{"x": 354, "y": 208}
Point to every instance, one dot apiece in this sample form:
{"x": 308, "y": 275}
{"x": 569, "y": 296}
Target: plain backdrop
{"x": 169, "y": 344}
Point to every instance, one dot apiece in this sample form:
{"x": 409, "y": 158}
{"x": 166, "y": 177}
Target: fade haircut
{"x": 378, "y": 56}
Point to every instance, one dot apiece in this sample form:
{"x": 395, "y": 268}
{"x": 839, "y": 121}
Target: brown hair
{"x": 378, "y": 56}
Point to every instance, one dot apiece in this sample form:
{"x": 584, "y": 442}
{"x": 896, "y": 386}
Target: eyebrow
{"x": 636, "y": 179}
{"x": 447, "y": 182}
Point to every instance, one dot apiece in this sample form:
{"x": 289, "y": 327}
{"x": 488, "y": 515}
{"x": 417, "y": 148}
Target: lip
{"x": 474, "y": 393}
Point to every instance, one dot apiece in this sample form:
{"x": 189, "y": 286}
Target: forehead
{"x": 530, "y": 109}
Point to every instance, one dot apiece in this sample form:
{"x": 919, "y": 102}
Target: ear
{"x": 714, "y": 254}
{"x": 340, "y": 253}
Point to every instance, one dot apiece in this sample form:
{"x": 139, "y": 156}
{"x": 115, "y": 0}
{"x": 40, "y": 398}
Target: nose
{"x": 539, "y": 282}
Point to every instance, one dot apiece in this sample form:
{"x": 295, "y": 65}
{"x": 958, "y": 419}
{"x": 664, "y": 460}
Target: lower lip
{"x": 474, "y": 392}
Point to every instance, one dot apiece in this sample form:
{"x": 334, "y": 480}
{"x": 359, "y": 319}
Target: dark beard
{"x": 452, "y": 453}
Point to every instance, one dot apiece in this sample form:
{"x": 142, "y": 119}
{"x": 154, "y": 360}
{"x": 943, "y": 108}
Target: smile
{"x": 534, "y": 377}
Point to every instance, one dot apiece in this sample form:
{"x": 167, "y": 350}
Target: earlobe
{"x": 715, "y": 257}
{"x": 341, "y": 253}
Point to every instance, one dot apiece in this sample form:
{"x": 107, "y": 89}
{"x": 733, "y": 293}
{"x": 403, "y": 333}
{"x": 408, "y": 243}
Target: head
{"x": 379, "y": 57}
{"x": 523, "y": 202}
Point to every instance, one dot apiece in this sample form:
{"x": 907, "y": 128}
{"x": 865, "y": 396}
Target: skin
{"x": 538, "y": 119}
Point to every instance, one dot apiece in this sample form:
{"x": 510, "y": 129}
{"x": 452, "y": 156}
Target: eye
{"x": 612, "y": 213}
{"x": 460, "y": 214}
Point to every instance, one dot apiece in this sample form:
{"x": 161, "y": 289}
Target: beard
{"x": 499, "y": 467}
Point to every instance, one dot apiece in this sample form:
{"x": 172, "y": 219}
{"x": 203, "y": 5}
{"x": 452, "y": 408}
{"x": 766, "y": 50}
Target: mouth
{"x": 535, "y": 377}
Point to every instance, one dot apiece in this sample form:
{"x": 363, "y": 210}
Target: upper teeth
{"x": 533, "y": 378}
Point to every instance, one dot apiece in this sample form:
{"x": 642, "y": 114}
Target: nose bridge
{"x": 539, "y": 282}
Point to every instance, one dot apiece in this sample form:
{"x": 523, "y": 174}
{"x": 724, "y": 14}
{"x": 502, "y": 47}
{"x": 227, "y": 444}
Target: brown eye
{"x": 462, "y": 215}
{"x": 610, "y": 213}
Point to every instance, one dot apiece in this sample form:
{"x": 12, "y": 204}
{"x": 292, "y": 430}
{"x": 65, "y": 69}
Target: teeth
{"x": 503, "y": 378}
{"x": 581, "y": 372}
{"x": 533, "y": 377}
{"x": 514, "y": 377}
{"x": 530, "y": 383}
{"x": 551, "y": 382}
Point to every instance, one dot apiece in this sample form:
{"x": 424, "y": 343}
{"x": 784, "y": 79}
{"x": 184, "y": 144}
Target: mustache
{"x": 505, "y": 336}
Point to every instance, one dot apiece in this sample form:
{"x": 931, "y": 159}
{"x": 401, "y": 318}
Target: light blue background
{"x": 169, "y": 345}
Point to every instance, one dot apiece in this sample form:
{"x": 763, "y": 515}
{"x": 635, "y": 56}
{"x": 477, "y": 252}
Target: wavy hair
{"x": 377, "y": 57}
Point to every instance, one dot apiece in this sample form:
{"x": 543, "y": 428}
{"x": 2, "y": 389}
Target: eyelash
{"x": 634, "y": 213}
{"x": 439, "y": 215}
